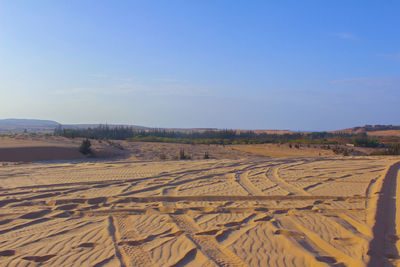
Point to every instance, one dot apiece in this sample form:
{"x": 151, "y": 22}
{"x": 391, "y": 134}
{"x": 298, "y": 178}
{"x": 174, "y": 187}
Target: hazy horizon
{"x": 218, "y": 128}
{"x": 310, "y": 66}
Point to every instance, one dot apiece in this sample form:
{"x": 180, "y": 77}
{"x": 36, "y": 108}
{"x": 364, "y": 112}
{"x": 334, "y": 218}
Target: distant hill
{"x": 19, "y": 125}
{"x": 376, "y": 130}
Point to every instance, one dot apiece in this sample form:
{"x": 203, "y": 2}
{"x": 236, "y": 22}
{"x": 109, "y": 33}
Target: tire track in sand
{"x": 207, "y": 244}
{"x": 132, "y": 250}
{"x": 382, "y": 249}
{"x": 243, "y": 180}
{"x": 121, "y": 233}
{"x": 273, "y": 175}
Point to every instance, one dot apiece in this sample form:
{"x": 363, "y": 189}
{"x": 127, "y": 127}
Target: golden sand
{"x": 298, "y": 211}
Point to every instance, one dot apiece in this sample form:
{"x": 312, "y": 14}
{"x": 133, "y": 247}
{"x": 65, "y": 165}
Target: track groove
{"x": 383, "y": 250}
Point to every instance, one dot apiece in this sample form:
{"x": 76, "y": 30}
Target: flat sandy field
{"x": 242, "y": 210}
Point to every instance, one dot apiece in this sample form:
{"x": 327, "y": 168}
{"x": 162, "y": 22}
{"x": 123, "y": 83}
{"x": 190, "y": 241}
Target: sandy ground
{"x": 241, "y": 210}
{"x": 284, "y": 150}
{"x": 25, "y": 148}
{"x": 385, "y": 133}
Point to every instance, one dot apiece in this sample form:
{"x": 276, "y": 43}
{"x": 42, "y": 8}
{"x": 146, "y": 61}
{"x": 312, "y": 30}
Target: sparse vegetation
{"x": 114, "y": 144}
{"x": 392, "y": 149}
{"x": 227, "y": 137}
{"x": 364, "y": 141}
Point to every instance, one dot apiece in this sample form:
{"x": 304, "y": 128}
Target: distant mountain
{"x": 19, "y": 125}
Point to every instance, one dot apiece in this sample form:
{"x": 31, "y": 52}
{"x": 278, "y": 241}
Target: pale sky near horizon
{"x": 299, "y": 65}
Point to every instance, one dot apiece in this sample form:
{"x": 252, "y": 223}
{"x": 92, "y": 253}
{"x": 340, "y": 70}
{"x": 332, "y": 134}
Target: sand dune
{"x": 222, "y": 212}
{"x": 29, "y": 154}
{"x": 25, "y": 148}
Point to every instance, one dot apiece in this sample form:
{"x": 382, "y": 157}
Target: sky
{"x": 299, "y": 65}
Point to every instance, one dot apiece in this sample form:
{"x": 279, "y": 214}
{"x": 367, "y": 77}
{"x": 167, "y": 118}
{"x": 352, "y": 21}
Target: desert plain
{"x": 247, "y": 205}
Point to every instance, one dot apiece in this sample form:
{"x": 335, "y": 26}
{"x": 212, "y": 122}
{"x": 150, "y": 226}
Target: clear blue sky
{"x": 300, "y": 65}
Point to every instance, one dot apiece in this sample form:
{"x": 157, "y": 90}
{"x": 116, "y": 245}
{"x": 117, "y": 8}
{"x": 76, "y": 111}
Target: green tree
{"x": 85, "y": 147}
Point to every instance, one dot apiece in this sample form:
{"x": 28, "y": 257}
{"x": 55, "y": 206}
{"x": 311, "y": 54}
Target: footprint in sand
{"x": 35, "y": 214}
{"x": 65, "y": 214}
{"x": 327, "y": 259}
{"x": 289, "y": 233}
{"x": 178, "y": 233}
{"x": 87, "y": 245}
{"x": 67, "y": 207}
{"x": 264, "y": 219}
{"x": 210, "y": 232}
{"x": 346, "y": 240}
{"x": 281, "y": 211}
{"x": 97, "y": 200}
{"x": 7, "y": 253}
{"x": 38, "y": 258}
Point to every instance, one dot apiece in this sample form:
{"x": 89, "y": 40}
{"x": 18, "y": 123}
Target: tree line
{"x": 223, "y": 137}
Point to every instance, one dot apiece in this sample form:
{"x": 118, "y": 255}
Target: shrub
{"x": 341, "y": 150}
{"x": 85, "y": 147}
{"x": 182, "y": 154}
{"x": 206, "y": 155}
